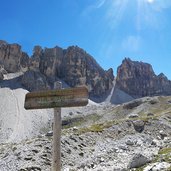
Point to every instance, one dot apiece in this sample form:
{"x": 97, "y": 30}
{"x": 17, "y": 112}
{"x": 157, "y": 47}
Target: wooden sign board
{"x": 57, "y": 98}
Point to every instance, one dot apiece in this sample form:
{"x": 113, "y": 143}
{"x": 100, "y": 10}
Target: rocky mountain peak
{"x": 110, "y": 74}
{"x": 138, "y": 79}
{"x": 12, "y": 58}
{"x": 76, "y": 48}
{"x": 72, "y": 65}
{"x": 126, "y": 60}
{"x": 162, "y": 76}
{"x": 2, "y": 42}
{"x": 37, "y": 50}
{"x": 131, "y": 68}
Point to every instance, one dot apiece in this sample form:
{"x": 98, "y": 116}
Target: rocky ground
{"x": 104, "y": 137}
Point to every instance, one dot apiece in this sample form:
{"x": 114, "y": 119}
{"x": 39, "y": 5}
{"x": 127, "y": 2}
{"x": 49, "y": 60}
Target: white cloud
{"x": 131, "y": 43}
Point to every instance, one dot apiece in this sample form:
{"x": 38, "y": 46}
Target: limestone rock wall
{"x": 76, "y": 67}
{"x": 138, "y": 80}
{"x": 79, "y": 68}
{"x": 12, "y": 58}
{"x": 72, "y": 65}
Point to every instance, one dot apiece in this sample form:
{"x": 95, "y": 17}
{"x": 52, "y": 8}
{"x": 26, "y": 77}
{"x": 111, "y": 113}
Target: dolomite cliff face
{"x": 138, "y": 80}
{"x": 76, "y": 67}
{"x": 12, "y": 58}
{"x": 72, "y": 65}
{"x": 79, "y": 68}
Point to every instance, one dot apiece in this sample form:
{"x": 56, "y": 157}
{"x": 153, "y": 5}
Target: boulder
{"x": 138, "y": 160}
{"x": 133, "y": 115}
{"x": 133, "y": 104}
{"x": 129, "y": 142}
{"x": 163, "y": 134}
{"x": 138, "y": 125}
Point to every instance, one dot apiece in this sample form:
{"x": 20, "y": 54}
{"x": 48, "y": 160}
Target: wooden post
{"x": 56, "y": 99}
{"x": 56, "y": 162}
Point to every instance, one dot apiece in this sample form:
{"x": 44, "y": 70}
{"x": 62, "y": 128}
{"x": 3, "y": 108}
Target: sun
{"x": 150, "y": 1}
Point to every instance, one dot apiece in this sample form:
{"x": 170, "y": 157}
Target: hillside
{"x": 133, "y": 135}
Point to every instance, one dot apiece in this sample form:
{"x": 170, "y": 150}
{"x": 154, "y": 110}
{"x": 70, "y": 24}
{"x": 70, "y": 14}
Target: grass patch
{"x": 80, "y": 121}
{"x": 164, "y": 155}
{"x": 165, "y": 151}
{"x": 96, "y": 128}
{"x": 169, "y": 169}
{"x": 99, "y": 127}
{"x": 139, "y": 169}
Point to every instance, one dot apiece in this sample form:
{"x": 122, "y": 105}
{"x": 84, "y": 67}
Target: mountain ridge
{"x": 76, "y": 67}
{"x": 135, "y": 135}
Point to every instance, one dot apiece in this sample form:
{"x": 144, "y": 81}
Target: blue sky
{"x": 109, "y": 30}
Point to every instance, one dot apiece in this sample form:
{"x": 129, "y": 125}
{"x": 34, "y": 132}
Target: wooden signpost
{"x": 56, "y": 99}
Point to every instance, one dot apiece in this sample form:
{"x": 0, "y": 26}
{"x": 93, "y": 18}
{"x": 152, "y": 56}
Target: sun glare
{"x": 146, "y": 13}
{"x": 150, "y": 1}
